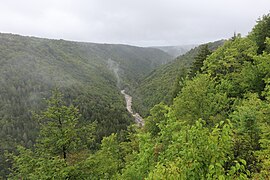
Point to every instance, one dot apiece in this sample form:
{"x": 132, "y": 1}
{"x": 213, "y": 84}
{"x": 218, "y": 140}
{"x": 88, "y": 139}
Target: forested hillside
{"x": 90, "y": 76}
{"x": 162, "y": 84}
{"x": 217, "y": 126}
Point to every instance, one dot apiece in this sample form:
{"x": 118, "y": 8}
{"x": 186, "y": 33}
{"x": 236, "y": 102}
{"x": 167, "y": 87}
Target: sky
{"x": 134, "y": 22}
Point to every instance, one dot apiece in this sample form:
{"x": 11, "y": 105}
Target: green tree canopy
{"x": 204, "y": 52}
{"x": 260, "y": 32}
{"x": 55, "y": 153}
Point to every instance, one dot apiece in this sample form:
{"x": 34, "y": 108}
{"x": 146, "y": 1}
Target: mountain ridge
{"x": 161, "y": 81}
{"x": 176, "y": 51}
{"x": 30, "y": 68}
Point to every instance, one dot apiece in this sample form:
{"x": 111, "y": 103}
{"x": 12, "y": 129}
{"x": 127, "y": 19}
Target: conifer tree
{"x": 199, "y": 59}
{"x": 55, "y": 155}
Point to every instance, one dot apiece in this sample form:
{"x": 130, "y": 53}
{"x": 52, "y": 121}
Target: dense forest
{"x": 162, "y": 84}
{"x": 212, "y": 125}
{"x": 89, "y": 75}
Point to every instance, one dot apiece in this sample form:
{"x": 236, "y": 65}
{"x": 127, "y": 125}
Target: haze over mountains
{"x": 91, "y": 75}
{"x": 176, "y": 51}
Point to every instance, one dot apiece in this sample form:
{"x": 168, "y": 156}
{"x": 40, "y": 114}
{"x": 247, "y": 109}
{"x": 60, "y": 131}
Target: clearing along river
{"x": 138, "y": 119}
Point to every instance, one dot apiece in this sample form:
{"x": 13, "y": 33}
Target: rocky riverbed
{"x": 137, "y": 118}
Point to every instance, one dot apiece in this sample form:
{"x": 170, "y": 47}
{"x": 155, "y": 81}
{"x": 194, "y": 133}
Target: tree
{"x": 260, "y": 32}
{"x": 230, "y": 57}
{"x": 56, "y": 151}
{"x": 144, "y": 160}
{"x": 263, "y": 154}
{"x": 59, "y": 127}
{"x": 196, "y": 152}
{"x": 105, "y": 163}
{"x": 199, "y": 59}
{"x": 231, "y": 64}
{"x": 179, "y": 83}
{"x": 200, "y": 98}
{"x": 158, "y": 113}
{"x": 247, "y": 118}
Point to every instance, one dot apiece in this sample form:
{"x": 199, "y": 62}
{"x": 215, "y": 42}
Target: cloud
{"x": 136, "y": 22}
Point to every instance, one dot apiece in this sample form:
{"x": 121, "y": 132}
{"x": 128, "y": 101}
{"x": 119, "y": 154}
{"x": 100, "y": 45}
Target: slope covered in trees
{"x": 162, "y": 85}
{"x": 90, "y": 76}
{"x": 217, "y": 127}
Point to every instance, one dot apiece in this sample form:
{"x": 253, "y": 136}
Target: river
{"x": 137, "y": 118}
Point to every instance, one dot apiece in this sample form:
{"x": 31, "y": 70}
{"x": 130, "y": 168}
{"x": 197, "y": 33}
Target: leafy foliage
{"x": 59, "y": 138}
{"x": 260, "y": 32}
{"x": 164, "y": 83}
{"x": 217, "y": 127}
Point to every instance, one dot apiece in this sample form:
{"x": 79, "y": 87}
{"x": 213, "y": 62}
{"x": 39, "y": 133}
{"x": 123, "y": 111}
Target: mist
{"x": 114, "y": 67}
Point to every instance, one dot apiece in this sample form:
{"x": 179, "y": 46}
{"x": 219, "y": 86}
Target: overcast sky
{"x": 135, "y": 22}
